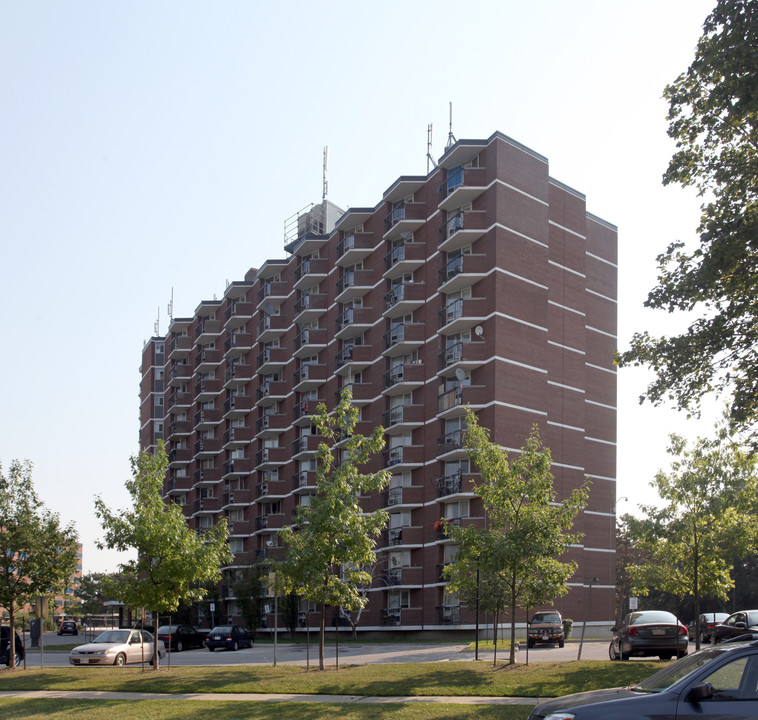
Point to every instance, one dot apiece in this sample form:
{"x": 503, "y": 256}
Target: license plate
{"x": 546, "y": 637}
{"x": 84, "y": 661}
{"x": 658, "y": 631}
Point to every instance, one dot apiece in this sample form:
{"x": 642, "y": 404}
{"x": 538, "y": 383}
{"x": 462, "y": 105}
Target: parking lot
{"x": 349, "y": 653}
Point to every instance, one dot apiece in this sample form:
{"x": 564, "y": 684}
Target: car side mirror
{"x": 701, "y": 691}
{"x": 740, "y": 625}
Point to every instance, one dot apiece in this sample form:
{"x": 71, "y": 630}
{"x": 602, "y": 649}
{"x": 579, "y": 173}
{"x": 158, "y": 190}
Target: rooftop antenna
{"x": 429, "y": 158}
{"x": 325, "y": 189}
{"x": 450, "y": 137}
{"x": 170, "y": 308}
{"x": 157, "y": 324}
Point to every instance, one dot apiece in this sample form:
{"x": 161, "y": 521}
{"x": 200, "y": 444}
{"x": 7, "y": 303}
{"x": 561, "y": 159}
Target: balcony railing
{"x": 450, "y": 441}
{"x": 449, "y": 484}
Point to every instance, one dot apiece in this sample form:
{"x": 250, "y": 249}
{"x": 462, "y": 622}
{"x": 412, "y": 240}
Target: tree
{"x": 708, "y": 515}
{"x": 38, "y": 555}
{"x": 527, "y": 530}
{"x": 247, "y": 587}
{"x": 92, "y": 592}
{"x": 333, "y": 539}
{"x": 713, "y": 116}
{"x": 173, "y": 561}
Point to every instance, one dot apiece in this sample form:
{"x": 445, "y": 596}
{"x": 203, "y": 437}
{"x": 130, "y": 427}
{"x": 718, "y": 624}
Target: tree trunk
{"x": 12, "y": 639}
{"x": 321, "y": 637}
{"x": 494, "y": 627}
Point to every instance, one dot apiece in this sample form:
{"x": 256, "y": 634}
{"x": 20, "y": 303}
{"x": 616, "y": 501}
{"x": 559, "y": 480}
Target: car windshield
{"x": 546, "y": 618}
{"x": 113, "y": 636}
{"x": 752, "y": 618}
{"x": 222, "y": 629}
{"x": 671, "y": 674}
{"x": 652, "y": 616}
{"x": 166, "y": 629}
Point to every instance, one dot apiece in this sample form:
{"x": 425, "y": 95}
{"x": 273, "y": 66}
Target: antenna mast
{"x": 157, "y": 324}
{"x": 450, "y": 137}
{"x": 429, "y": 158}
{"x": 325, "y": 188}
{"x": 170, "y": 308}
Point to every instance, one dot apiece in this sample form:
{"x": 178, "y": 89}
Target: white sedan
{"x": 117, "y": 647}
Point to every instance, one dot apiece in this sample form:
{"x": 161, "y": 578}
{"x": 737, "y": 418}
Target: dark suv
{"x": 5, "y": 635}
{"x": 546, "y": 627}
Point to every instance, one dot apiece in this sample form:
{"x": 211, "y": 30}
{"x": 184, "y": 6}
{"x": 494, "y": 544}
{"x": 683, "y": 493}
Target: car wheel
{"x": 236, "y": 646}
{"x": 530, "y": 643}
{"x": 120, "y": 660}
{"x": 664, "y": 656}
{"x": 210, "y": 649}
{"x": 681, "y": 654}
{"x": 703, "y": 639}
{"x": 19, "y": 658}
{"x": 612, "y": 652}
{"x": 179, "y": 646}
{"x": 561, "y": 643}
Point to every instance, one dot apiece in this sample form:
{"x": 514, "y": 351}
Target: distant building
{"x": 484, "y": 284}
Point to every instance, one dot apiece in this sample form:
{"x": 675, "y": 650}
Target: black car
{"x": 707, "y": 622}
{"x": 5, "y": 659}
{"x": 231, "y": 637}
{"x": 744, "y": 621}
{"x": 720, "y": 681}
{"x": 180, "y": 637}
{"x": 649, "y": 632}
{"x": 68, "y": 627}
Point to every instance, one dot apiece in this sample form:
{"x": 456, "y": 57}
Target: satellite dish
{"x": 269, "y": 543}
{"x": 460, "y": 374}
{"x": 479, "y": 330}
{"x": 268, "y": 308}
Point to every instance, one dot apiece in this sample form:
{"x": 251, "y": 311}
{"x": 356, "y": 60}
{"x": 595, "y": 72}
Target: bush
{"x": 568, "y": 623}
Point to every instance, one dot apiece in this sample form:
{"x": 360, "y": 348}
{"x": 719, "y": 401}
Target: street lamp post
{"x": 586, "y": 614}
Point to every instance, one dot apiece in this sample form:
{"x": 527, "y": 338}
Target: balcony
{"x": 268, "y": 457}
{"x": 354, "y": 284}
{"x": 207, "y": 390}
{"x": 462, "y": 314}
{"x": 392, "y": 616}
{"x": 448, "y": 614}
{"x": 362, "y": 393}
{"x": 462, "y": 186}
{"x": 309, "y": 341}
{"x": 179, "y": 346}
{"x": 450, "y": 399}
{"x": 354, "y": 358}
{"x": 453, "y": 484}
{"x": 237, "y": 405}
{"x": 305, "y": 446}
{"x": 271, "y": 327}
{"x": 179, "y": 374}
{"x": 178, "y": 428}
{"x": 462, "y": 230}
{"x": 310, "y": 271}
{"x": 207, "y": 330}
{"x": 207, "y": 476}
{"x": 178, "y": 402}
{"x": 270, "y": 425}
{"x": 237, "y": 374}
{"x": 354, "y": 321}
{"x": 450, "y": 442}
{"x": 309, "y": 307}
{"x": 270, "y": 392}
{"x": 238, "y": 343}
{"x": 309, "y": 377}
{"x": 274, "y": 292}
{"x": 354, "y": 248}
{"x": 400, "y": 379}
{"x": 237, "y": 437}
{"x": 206, "y": 448}
{"x": 403, "y": 496}
{"x": 237, "y": 314}
{"x": 402, "y": 417}
{"x": 404, "y": 299}
{"x": 206, "y": 360}
{"x": 403, "y": 339}
{"x": 204, "y": 419}
{"x": 271, "y": 359}
{"x": 237, "y": 466}
{"x": 179, "y": 456}
{"x": 462, "y": 272}
{"x": 402, "y": 259}
{"x": 269, "y": 488}
{"x": 404, "y": 218}
{"x": 304, "y": 411}
{"x": 269, "y": 522}
{"x": 464, "y": 355}
{"x": 403, "y": 457}
{"x": 303, "y": 481}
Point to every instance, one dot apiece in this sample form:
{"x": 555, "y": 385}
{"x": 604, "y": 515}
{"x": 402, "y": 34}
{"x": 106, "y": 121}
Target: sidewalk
{"x": 268, "y": 697}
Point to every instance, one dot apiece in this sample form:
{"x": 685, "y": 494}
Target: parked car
{"x": 180, "y": 637}
{"x": 5, "y": 643}
{"x": 231, "y": 637}
{"x": 720, "y": 681}
{"x": 546, "y": 627}
{"x": 649, "y": 632}
{"x": 738, "y": 623}
{"x": 68, "y": 627}
{"x": 707, "y": 622}
{"x": 117, "y": 647}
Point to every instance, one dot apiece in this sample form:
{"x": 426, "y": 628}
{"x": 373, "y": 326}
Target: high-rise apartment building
{"x": 484, "y": 284}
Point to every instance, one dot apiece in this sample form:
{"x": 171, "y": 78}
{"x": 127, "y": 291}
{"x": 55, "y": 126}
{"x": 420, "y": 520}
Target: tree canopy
{"x": 174, "y": 563}
{"x": 517, "y": 553}
{"x": 38, "y": 555}
{"x": 708, "y": 516}
{"x": 333, "y": 540}
{"x": 713, "y": 117}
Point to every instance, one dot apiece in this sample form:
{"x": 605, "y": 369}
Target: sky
{"x": 151, "y": 148}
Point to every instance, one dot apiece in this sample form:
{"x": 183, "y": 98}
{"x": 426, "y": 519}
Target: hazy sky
{"x": 146, "y": 146}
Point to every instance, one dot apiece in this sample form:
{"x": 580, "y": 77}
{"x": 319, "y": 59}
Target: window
{"x": 400, "y": 519}
{"x": 399, "y": 558}
{"x": 397, "y": 599}
{"x": 737, "y": 680}
{"x": 455, "y": 510}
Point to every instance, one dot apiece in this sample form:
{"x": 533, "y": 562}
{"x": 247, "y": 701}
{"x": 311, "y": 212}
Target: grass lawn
{"x": 450, "y": 678}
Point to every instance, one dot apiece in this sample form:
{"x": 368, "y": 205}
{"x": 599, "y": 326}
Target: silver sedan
{"x": 117, "y": 647}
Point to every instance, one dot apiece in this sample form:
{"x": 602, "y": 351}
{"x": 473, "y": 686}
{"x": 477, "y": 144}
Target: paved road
{"x": 353, "y": 654}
